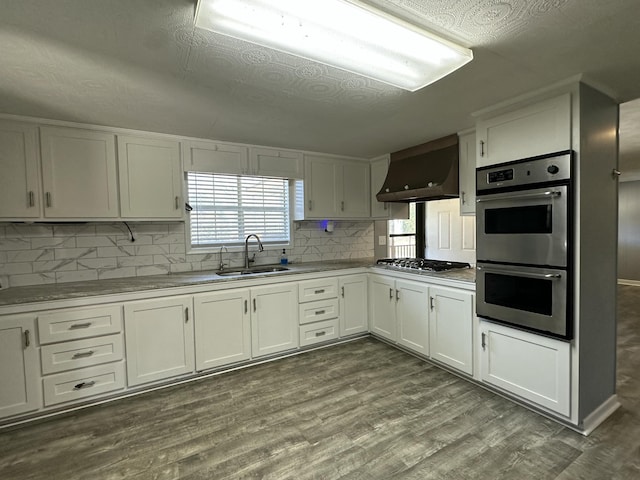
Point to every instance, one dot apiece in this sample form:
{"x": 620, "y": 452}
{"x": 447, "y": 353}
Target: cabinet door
{"x": 382, "y": 312}
{"x": 530, "y": 366}
{"x": 412, "y": 312}
{"x": 19, "y": 190}
{"x": 222, "y": 328}
{"x": 353, "y": 304}
{"x": 467, "y": 172}
{"x": 269, "y": 162}
{"x": 78, "y": 173}
{"x": 537, "y": 129}
{"x": 320, "y": 175}
{"x": 215, "y": 157}
{"x": 354, "y": 190}
{"x": 150, "y": 178}
{"x": 451, "y": 328}
{"x": 158, "y": 339}
{"x": 274, "y": 319}
{"x": 19, "y": 373}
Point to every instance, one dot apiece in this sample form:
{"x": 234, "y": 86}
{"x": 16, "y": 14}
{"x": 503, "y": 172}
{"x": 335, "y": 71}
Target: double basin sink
{"x": 252, "y": 271}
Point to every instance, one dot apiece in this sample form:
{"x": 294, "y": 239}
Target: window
{"x": 402, "y": 236}
{"x": 227, "y": 208}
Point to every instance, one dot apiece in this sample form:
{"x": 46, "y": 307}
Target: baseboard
{"x": 599, "y": 415}
{"x": 633, "y": 283}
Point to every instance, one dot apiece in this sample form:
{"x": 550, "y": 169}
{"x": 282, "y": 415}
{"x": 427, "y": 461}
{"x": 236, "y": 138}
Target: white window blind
{"x": 227, "y": 208}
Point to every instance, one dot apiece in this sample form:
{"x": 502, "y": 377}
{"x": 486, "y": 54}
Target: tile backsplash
{"x": 35, "y": 254}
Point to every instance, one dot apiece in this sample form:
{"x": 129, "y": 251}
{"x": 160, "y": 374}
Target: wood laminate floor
{"x": 362, "y": 410}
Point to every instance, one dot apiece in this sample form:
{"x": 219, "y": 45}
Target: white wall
{"x": 38, "y": 254}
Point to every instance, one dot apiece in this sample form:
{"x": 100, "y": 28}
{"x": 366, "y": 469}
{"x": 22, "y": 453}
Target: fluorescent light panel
{"x": 340, "y": 33}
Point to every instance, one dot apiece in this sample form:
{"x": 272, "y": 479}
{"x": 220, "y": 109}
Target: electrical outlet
{"x": 382, "y": 239}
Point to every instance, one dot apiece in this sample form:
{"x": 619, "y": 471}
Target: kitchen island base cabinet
{"x": 274, "y": 319}
{"x": 159, "y": 339}
{"x": 451, "y": 328}
{"x": 533, "y": 367}
{"x": 19, "y": 372}
{"x": 222, "y": 328}
{"x": 353, "y": 304}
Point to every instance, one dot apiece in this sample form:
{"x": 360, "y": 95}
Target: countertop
{"x": 62, "y": 291}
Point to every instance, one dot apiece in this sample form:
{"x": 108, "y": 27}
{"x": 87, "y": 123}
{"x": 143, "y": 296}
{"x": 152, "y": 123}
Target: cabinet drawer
{"x": 60, "y": 357}
{"x": 79, "y": 323}
{"x": 320, "y": 289}
{"x": 319, "y": 310}
{"x": 318, "y": 332}
{"x": 83, "y": 383}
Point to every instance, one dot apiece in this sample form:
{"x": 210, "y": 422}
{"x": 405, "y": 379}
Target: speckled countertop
{"x": 62, "y": 291}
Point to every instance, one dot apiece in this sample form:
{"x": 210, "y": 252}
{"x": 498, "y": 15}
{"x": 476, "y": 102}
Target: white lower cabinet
{"x": 159, "y": 339}
{"x": 533, "y": 367}
{"x": 19, "y": 376}
{"x": 222, "y": 328}
{"x": 353, "y": 304}
{"x": 451, "y": 327}
{"x": 274, "y": 319}
{"x": 399, "y": 312}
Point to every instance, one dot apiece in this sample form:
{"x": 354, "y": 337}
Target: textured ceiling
{"x": 141, "y": 64}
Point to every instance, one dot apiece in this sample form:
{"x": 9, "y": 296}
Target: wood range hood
{"x": 422, "y": 173}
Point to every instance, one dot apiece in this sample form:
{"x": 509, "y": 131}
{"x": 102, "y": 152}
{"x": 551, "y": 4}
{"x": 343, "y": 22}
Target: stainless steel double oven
{"x": 524, "y": 243}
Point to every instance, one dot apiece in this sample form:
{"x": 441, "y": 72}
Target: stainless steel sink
{"x": 252, "y": 271}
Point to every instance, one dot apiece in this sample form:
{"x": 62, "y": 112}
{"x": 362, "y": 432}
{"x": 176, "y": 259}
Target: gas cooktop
{"x": 421, "y": 264}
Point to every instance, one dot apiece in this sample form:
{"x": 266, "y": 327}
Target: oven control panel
{"x": 544, "y": 169}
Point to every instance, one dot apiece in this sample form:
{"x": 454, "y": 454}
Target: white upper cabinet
{"x": 79, "y": 173}
{"x": 384, "y": 210}
{"x": 20, "y": 179}
{"x": 150, "y": 178}
{"x": 336, "y": 188}
{"x": 271, "y": 162}
{"x": 213, "y": 157}
{"x": 537, "y": 129}
{"x": 467, "y": 172}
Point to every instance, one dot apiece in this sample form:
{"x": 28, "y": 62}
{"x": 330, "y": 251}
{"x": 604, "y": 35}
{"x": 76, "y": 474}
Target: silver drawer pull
{"x": 319, "y": 291}
{"x": 320, "y": 312}
{"x": 82, "y": 354}
{"x": 82, "y": 385}
{"x": 80, "y": 325}
{"x": 320, "y": 334}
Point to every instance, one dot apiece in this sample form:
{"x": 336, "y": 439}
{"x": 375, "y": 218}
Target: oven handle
{"x": 552, "y": 276}
{"x": 547, "y": 194}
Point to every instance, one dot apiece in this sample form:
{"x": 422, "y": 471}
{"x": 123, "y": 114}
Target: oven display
{"x": 500, "y": 176}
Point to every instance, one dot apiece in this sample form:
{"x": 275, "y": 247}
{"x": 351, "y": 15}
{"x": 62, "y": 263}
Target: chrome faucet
{"x": 246, "y": 249}
{"x": 222, "y": 264}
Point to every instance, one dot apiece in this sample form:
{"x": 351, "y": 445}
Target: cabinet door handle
{"x": 186, "y": 315}
{"x": 397, "y": 294}
{"x": 482, "y": 148}
{"x": 82, "y": 354}
{"x": 484, "y": 341}
{"x": 255, "y": 306}
{"x": 431, "y": 301}
{"x": 246, "y": 306}
{"x": 342, "y": 205}
{"x": 342, "y": 291}
{"x": 177, "y": 203}
{"x": 76, "y": 326}
{"x": 320, "y": 334}
{"x": 32, "y": 200}
{"x": 391, "y": 293}
{"x": 462, "y": 194}
{"x": 310, "y": 205}
{"x": 82, "y": 385}
{"x": 320, "y": 312}
{"x": 384, "y": 205}
{"x": 27, "y": 338}
{"x": 48, "y": 198}
{"x": 317, "y": 292}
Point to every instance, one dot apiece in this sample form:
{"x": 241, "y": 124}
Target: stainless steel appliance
{"x": 524, "y": 243}
{"x": 421, "y": 264}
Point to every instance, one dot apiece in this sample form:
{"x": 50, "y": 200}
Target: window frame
{"x": 194, "y": 250}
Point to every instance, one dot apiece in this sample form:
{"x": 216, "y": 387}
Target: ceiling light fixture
{"x": 346, "y": 34}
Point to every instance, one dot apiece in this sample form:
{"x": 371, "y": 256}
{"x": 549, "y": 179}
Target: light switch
{"x": 382, "y": 239}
